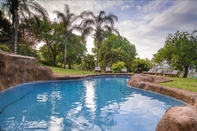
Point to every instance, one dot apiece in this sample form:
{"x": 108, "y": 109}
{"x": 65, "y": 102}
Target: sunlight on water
{"x": 96, "y": 104}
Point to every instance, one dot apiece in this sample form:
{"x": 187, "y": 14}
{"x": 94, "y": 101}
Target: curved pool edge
{"x": 68, "y": 77}
{"x": 180, "y": 94}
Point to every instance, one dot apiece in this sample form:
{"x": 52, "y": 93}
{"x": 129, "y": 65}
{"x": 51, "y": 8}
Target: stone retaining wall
{"x": 179, "y": 118}
{"x": 17, "y": 69}
{"x": 150, "y": 82}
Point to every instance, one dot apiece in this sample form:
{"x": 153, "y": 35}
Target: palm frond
{"x": 87, "y": 14}
{"x": 114, "y": 30}
{"x": 71, "y": 17}
{"x": 86, "y": 32}
{"x": 101, "y": 14}
{"x": 111, "y": 18}
{"x": 108, "y": 28}
{"x": 66, "y": 9}
{"x": 39, "y": 10}
{"x": 76, "y": 28}
{"x": 60, "y": 15}
{"x": 88, "y": 23}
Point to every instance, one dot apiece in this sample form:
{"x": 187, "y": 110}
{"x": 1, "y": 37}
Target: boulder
{"x": 150, "y": 82}
{"x": 135, "y": 79}
{"x": 180, "y": 118}
{"x": 17, "y": 69}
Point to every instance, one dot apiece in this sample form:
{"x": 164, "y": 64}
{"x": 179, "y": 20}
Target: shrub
{"x": 5, "y": 48}
{"x": 140, "y": 65}
{"x": 117, "y": 67}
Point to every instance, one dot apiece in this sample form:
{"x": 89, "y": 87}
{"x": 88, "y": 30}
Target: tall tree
{"x": 68, "y": 20}
{"x": 180, "y": 51}
{"x": 76, "y": 50}
{"x": 89, "y": 62}
{"x": 19, "y": 9}
{"x": 117, "y": 48}
{"x": 5, "y": 30}
{"x": 51, "y": 33}
{"x": 95, "y": 24}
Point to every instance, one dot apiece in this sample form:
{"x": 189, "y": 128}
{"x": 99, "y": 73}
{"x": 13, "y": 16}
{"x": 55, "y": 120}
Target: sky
{"x": 145, "y": 23}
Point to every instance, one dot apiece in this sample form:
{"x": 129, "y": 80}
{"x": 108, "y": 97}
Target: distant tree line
{"x": 24, "y": 24}
{"x": 179, "y": 52}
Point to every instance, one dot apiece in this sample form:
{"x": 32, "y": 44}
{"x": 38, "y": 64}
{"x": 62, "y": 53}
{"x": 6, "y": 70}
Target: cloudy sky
{"x": 145, "y": 23}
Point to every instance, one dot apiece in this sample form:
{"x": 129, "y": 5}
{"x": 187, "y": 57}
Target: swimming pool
{"x": 96, "y": 104}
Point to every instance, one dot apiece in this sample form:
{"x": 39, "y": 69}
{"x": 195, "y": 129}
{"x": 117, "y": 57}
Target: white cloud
{"x": 138, "y": 7}
{"x": 146, "y": 26}
{"x": 155, "y": 6}
{"x": 148, "y": 33}
{"x": 79, "y": 6}
{"x": 125, "y": 7}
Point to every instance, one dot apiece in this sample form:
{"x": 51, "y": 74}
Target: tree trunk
{"x": 98, "y": 47}
{"x": 185, "y": 71}
{"x": 65, "y": 49}
{"x": 97, "y": 56}
{"x": 105, "y": 54}
{"x": 69, "y": 66}
{"x": 54, "y": 57}
{"x": 15, "y": 31}
{"x": 48, "y": 48}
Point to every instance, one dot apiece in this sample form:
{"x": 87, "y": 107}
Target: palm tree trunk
{"x": 15, "y": 31}
{"x": 65, "y": 49}
{"x": 97, "y": 56}
{"x": 105, "y": 54}
{"x": 98, "y": 48}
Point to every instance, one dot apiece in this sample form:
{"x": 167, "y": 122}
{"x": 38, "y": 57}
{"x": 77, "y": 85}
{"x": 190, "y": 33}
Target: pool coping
{"x": 68, "y": 77}
{"x": 180, "y": 94}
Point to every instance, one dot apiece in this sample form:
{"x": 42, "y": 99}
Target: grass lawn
{"x": 183, "y": 83}
{"x": 62, "y": 71}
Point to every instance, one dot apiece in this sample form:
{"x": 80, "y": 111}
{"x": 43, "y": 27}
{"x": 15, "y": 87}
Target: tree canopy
{"x": 68, "y": 20}
{"x": 179, "y": 51}
{"x": 117, "y": 48}
{"x": 95, "y": 24}
{"x": 60, "y": 42}
{"x": 18, "y": 10}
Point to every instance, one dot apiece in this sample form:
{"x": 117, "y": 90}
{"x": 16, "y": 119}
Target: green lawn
{"x": 62, "y": 71}
{"x": 183, "y": 83}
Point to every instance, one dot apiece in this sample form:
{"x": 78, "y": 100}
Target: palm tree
{"x": 68, "y": 20}
{"x": 95, "y": 24}
{"x": 16, "y": 8}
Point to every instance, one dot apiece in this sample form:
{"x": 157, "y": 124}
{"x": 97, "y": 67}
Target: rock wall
{"x": 17, "y": 69}
{"x": 149, "y": 82}
{"x": 180, "y": 118}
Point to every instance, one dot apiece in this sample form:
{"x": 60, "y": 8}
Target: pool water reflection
{"x": 96, "y": 104}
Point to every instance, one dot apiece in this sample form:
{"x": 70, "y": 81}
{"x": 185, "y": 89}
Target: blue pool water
{"x": 95, "y": 104}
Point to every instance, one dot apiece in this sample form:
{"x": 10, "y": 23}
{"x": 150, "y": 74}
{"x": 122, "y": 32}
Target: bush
{"x": 117, "y": 67}
{"x": 49, "y": 63}
{"x": 5, "y": 48}
{"x": 26, "y": 50}
{"x": 140, "y": 65}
